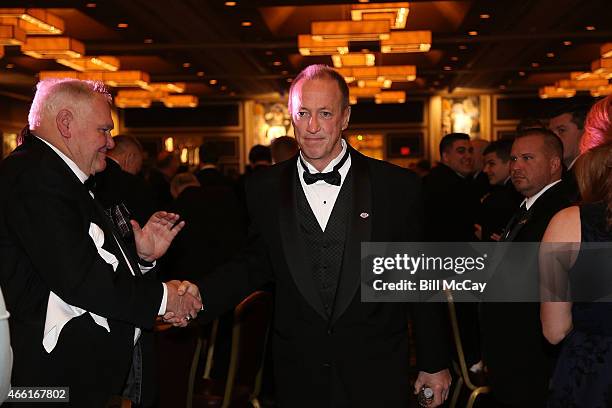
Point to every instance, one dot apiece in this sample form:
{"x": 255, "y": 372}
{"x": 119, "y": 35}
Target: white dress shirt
{"x": 58, "y": 311}
{"x": 529, "y": 201}
{"x": 321, "y": 195}
{"x": 6, "y": 354}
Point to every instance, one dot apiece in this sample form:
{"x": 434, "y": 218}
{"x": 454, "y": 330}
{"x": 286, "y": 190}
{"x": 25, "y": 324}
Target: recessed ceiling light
{"x": 230, "y": 3}
{"x": 122, "y": 25}
{"x": 200, "y": 73}
{"x": 447, "y": 68}
{"x": 223, "y": 87}
{"x": 472, "y": 33}
{"x": 521, "y": 73}
{"x": 269, "y": 52}
{"x": 485, "y": 16}
{"x": 535, "y": 64}
{"x": 567, "y": 43}
{"x": 10, "y": 66}
{"x": 232, "y": 93}
{"x": 453, "y": 58}
{"x": 550, "y": 54}
{"x": 436, "y": 83}
{"x": 246, "y": 23}
{"x": 148, "y": 41}
{"x": 186, "y": 64}
{"x": 285, "y": 72}
{"x": 590, "y": 28}
{"x": 463, "y": 47}
{"x": 213, "y": 82}
{"x": 289, "y": 79}
{"x": 277, "y": 63}
{"x": 502, "y": 87}
{"x": 91, "y": 5}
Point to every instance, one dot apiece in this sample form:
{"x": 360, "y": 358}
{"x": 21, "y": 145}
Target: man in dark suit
{"x": 309, "y": 216}
{"x": 449, "y": 200}
{"x": 568, "y": 124}
{"x": 497, "y": 206}
{"x": 77, "y": 295}
{"x": 516, "y": 354}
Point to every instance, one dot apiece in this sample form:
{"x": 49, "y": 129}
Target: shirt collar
{"x": 572, "y": 163}
{"x": 75, "y": 169}
{"x": 331, "y": 164}
{"x": 529, "y": 201}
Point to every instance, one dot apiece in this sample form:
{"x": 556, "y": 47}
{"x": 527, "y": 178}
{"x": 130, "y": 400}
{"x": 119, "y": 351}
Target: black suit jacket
{"x": 45, "y": 216}
{"x": 497, "y": 208}
{"x": 363, "y": 345}
{"x": 516, "y": 353}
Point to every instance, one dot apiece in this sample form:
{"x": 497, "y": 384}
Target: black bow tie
{"x": 331, "y": 177}
{"x": 90, "y": 184}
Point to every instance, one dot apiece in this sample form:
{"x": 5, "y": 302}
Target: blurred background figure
{"x": 127, "y": 153}
{"x": 480, "y": 185}
{"x": 421, "y": 168}
{"x": 283, "y": 148}
{"x": 6, "y": 354}
{"x": 166, "y": 167}
{"x": 529, "y": 123}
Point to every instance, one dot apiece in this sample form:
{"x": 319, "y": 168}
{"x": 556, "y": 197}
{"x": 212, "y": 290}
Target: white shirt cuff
{"x": 164, "y": 302}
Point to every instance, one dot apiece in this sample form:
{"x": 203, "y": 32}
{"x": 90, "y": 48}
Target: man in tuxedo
{"x": 517, "y": 356}
{"x": 501, "y": 202}
{"x": 331, "y": 349}
{"x": 568, "y": 124}
{"x": 77, "y": 295}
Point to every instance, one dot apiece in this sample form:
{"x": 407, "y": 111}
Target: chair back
{"x": 249, "y": 338}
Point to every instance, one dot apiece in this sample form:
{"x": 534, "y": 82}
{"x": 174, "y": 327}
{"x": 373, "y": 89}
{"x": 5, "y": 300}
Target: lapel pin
{"x": 364, "y": 215}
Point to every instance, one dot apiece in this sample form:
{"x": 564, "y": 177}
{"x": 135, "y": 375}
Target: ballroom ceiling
{"x": 248, "y": 48}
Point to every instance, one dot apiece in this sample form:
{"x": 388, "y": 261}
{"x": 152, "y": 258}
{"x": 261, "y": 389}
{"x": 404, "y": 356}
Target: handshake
{"x": 184, "y": 303}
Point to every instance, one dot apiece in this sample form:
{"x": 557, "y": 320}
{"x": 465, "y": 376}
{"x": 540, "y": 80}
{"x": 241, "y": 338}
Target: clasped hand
{"x": 184, "y": 303}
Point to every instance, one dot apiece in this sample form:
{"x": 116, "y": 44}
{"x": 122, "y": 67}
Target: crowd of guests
{"x": 552, "y": 183}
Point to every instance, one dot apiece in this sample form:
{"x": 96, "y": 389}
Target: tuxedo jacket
{"x": 362, "y": 345}
{"x": 497, "y": 208}
{"x": 45, "y": 216}
{"x": 517, "y": 355}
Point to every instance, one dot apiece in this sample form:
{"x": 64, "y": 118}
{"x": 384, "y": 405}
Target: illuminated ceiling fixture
{"x": 606, "y": 50}
{"x": 372, "y": 30}
{"x": 589, "y": 75}
{"x": 104, "y": 63}
{"x": 11, "y": 35}
{"x": 395, "y": 13}
{"x": 32, "y": 20}
{"x": 581, "y": 85}
{"x": 180, "y": 101}
{"x": 554, "y": 92}
{"x": 601, "y": 91}
{"x": 406, "y": 41}
{"x": 177, "y": 87}
{"x": 347, "y": 73}
{"x": 363, "y": 92}
{"x": 133, "y": 99}
{"x": 396, "y": 73}
{"x": 126, "y": 79}
{"x": 373, "y": 83}
{"x": 602, "y": 66}
{"x": 390, "y": 97}
{"x": 53, "y": 48}
{"x": 354, "y": 60}
{"x": 58, "y": 74}
{"x": 308, "y": 46}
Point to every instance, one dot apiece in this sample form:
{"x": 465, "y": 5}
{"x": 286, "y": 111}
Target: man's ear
{"x": 555, "y": 164}
{"x": 347, "y": 116}
{"x": 63, "y": 120}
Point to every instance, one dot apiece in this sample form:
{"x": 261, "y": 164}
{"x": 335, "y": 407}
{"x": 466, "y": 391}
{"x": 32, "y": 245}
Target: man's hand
{"x": 184, "y": 289}
{"x": 183, "y": 303}
{"x": 153, "y": 240}
{"x": 439, "y": 382}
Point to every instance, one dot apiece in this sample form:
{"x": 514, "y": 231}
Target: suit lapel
{"x": 359, "y": 229}
{"x": 293, "y": 245}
